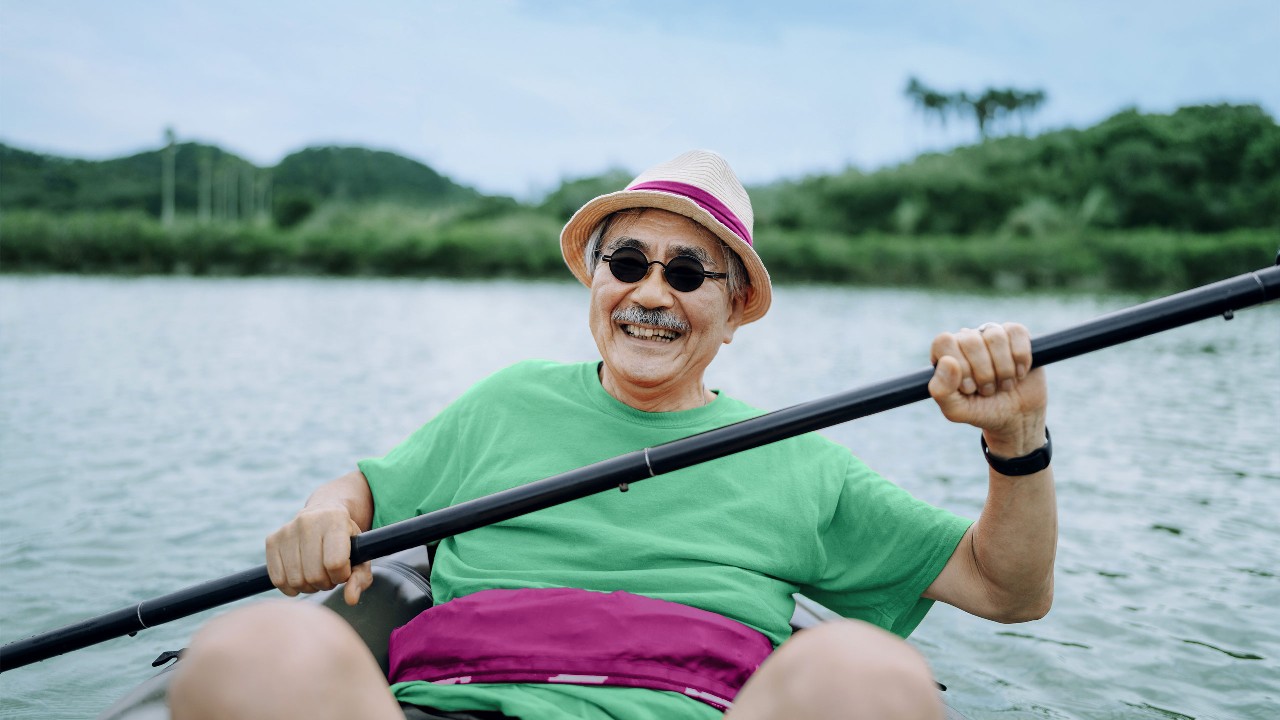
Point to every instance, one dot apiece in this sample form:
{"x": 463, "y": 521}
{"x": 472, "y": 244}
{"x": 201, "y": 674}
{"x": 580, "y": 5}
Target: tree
{"x": 989, "y": 109}
{"x": 167, "y": 176}
{"x": 204, "y": 185}
{"x": 1028, "y": 103}
{"x": 930, "y": 101}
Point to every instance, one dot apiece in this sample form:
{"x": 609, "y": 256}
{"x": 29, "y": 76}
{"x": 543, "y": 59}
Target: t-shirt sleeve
{"x": 882, "y": 549}
{"x": 418, "y": 475}
{"x": 427, "y": 471}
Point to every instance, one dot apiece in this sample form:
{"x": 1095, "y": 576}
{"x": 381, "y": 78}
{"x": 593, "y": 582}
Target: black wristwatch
{"x": 1029, "y": 464}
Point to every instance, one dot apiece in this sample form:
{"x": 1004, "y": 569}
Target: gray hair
{"x": 737, "y": 283}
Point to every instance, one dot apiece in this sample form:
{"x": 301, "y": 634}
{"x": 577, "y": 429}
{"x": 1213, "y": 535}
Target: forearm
{"x": 350, "y": 491}
{"x": 1014, "y": 542}
{"x": 1003, "y": 567}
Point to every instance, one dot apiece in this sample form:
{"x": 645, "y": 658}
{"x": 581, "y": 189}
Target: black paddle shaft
{"x": 1220, "y": 298}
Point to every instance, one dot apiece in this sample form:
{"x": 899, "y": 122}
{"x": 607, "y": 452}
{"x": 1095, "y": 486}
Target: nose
{"x": 652, "y": 291}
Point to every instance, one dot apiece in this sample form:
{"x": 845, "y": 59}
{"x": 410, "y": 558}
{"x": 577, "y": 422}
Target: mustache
{"x": 654, "y": 318}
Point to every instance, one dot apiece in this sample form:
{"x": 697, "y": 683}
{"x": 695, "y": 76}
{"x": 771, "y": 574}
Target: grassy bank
{"x": 394, "y": 241}
{"x": 1086, "y": 260}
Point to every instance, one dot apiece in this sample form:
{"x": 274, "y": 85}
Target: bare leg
{"x": 280, "y": 659}
{"x": 842, "y": 670}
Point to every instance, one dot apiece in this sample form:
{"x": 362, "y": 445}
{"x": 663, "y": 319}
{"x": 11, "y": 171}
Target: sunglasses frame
{"x": 696, "y": 271}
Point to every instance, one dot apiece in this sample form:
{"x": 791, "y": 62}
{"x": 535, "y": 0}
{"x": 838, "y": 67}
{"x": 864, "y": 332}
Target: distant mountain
{"x": 354, "y": 173}
{"x": 218, "y": 181}
{"x": 50, "y": 182}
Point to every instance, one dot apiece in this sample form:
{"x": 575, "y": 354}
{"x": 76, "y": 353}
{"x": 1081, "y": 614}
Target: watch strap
{"x": 1029, "y": 464}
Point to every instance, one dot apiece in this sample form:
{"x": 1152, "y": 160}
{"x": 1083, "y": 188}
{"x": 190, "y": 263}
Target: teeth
{"x": 650, "y": 333}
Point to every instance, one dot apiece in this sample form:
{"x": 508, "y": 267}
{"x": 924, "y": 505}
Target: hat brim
{"x": 577, "y": 232}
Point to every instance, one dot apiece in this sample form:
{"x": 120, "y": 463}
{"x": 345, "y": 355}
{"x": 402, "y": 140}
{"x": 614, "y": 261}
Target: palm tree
{"x": 988, "y": 110}
{"x": 930, "y": 101}
{"x": 1028, "y": 103}
{"x": 984, "y": 108}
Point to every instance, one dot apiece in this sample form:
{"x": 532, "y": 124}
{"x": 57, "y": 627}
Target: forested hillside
{"x": 1139, "y": 200}
{"x": 211, "y": 182}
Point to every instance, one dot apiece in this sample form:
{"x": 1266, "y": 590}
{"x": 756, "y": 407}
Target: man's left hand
{"x": 984, "y": 378}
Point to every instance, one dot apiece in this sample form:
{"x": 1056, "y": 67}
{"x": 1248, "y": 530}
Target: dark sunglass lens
{"x": 685, "y": 274}
{"x": 628, "y": 265}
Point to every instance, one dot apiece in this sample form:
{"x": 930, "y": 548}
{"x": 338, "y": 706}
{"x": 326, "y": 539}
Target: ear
{"x": 736, "y": 308}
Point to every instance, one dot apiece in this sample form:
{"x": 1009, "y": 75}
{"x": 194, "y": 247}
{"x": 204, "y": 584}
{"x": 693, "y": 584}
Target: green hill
{"x": 1199, "y": 169}
{"x": 48, "y": 182}
{"x": 1138, "y": 201}
{"x": 220, "y": 184}
{"x": 360, "y": 175}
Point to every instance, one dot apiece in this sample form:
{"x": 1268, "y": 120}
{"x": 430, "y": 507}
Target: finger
{"x": 945, "y": 383}
{"x": 287, "y": 552}
{"x": 313, "y": 564}
{"x": 975, "y": 351}
{"x": 1020, "y": 348}
{"x": 275, "y": 568}
{"x": 997, "y": 341}
{"x": 947, "y": 345}
{"x": 947, "y": 390}
{"x": 336, "y": 557}
{"x": 293, "y": 565}
{"x": 360, "y": 580}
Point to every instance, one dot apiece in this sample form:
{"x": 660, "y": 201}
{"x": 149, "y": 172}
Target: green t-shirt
{"x": 736, "y": 536}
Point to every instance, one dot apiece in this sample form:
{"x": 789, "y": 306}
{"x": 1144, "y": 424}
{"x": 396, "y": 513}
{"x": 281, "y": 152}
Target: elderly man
{"x": 671, "y": 600}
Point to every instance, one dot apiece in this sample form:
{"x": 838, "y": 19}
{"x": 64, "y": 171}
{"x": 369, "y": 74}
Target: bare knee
{"x": 844, "y": 669}
{"x": 867, "y": 655}
{"x": 274, "y": 659}
{"x": 272, "y": 634}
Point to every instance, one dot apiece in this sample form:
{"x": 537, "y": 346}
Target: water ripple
{"x": 152, "y": 431}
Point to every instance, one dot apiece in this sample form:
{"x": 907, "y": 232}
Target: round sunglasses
{"x": 683, "y": 273}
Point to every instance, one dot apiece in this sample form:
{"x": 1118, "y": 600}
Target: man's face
{"x": 644, "y": 356}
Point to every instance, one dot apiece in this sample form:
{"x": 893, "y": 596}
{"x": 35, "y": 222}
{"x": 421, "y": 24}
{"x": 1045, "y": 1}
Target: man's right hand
{"x": 313, "y": 552}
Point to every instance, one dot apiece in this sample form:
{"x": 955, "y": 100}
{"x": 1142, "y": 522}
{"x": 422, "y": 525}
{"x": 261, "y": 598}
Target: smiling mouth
{"x": 649, "y": 333}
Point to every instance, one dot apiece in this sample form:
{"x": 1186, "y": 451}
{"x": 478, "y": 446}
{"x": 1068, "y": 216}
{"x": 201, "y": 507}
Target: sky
{"x": 513, "y": 97}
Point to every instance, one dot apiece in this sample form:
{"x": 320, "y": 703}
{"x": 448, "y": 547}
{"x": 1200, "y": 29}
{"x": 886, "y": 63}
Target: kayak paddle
{"x": 1220, "y": 298}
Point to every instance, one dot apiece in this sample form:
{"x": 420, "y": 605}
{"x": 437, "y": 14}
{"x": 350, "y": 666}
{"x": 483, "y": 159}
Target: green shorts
{"x": 414, "y": 712}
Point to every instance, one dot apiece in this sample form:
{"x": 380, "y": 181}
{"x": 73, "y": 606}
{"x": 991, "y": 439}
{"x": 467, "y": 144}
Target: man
{"x": 667, "y": 601}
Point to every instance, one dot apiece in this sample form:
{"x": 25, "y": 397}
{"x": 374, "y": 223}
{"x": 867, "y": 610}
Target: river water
{"x": 152, "y": 431}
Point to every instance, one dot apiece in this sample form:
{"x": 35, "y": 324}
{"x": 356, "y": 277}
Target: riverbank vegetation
{"x": 1137, "y": 202}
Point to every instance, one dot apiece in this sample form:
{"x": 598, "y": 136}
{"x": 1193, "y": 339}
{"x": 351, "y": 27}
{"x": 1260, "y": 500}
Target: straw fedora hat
{"x": 699, "y": 185}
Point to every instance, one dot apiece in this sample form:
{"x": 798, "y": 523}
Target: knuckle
{"x": 280, "y": 535}
{"x": 315, "y": 579}
{"x": 307, "y": 519}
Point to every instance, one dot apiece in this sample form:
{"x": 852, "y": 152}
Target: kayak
{"x": 400, "y": 591}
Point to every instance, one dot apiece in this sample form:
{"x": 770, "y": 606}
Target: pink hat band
{"x": 699, "y": 185}
{"x": 704, "y": 199}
